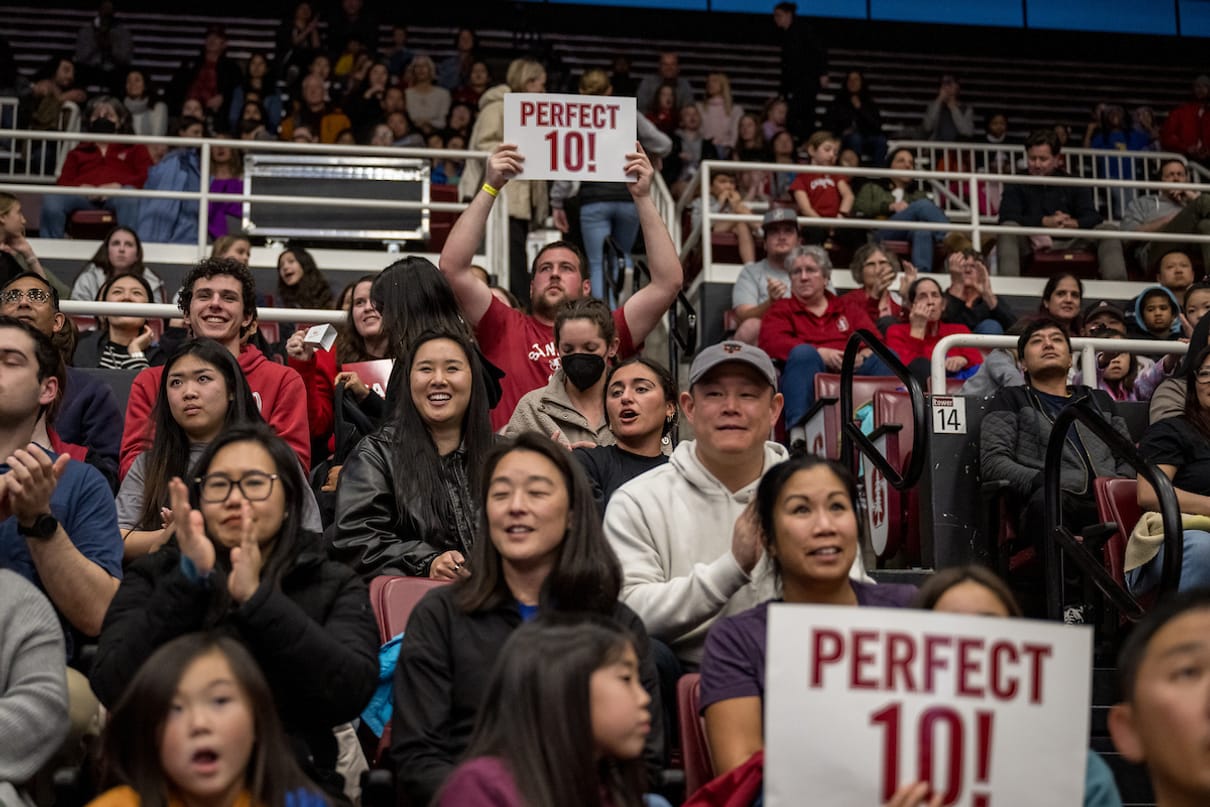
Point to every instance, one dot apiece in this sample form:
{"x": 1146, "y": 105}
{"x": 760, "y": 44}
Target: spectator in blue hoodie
{"x": 1157, "y": 314}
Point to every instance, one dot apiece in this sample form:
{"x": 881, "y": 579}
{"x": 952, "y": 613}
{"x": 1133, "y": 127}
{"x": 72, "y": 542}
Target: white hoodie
{"x": 671, "y": 529}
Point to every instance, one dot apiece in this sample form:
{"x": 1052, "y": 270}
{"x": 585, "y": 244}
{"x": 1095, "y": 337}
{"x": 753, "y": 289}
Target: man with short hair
{"x": 766, "y": 281}
{"x": 88, "y": 409}
{"x": 809, "y": 331}
{"x": 1066, "y": 207}
{"x": 669, "y": 73}
{"x": 1162, "y": 720}
{"x": 687, "y": 555}
{"x": 522, "y": 345}
{"x": 1169, "y": 211}
{"x": 218, "y": 299}
{"x": 321, "y": 118}
{"x": 58, "y": 525}
{"x": 1016, "y": 429}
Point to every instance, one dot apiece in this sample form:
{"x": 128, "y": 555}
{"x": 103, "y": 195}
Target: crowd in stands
{"x": 189, "y": 572}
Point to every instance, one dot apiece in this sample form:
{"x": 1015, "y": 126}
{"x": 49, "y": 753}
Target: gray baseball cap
{"x": 779, "y": 215}
{"x": 731, "y": 351}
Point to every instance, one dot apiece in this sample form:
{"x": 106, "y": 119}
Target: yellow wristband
{"x": 493, "y": 192}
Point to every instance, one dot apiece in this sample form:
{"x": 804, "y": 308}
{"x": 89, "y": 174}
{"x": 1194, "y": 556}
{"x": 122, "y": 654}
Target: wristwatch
{"x": 43, "y": 528}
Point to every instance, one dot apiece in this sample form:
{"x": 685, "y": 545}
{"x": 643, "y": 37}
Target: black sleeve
{"x": 653, "y": 750}
{"x": 1163, "y": 444}
{"x": 589, "y": 463}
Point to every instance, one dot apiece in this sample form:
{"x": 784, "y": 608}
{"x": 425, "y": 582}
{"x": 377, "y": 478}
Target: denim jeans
{"x": 989, "y": 327}
{"x": 798, "y": 379}
{"x": 922, "y": 241}
{"x": 1195, "y": 566}
{"x": 599, "y": 220}
{"x": 56, "y": 209}
{"x": 872, "y": 147}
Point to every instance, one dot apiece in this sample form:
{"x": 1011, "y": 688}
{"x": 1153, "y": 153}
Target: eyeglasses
{"x": 1203, "y": 376}
{"x": 33, "y": 295}
{"x": 255, "y": 486}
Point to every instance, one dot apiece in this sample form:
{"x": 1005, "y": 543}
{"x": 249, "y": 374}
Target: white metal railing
{"x": 496, "y": 243}
{"x": 976, "y": 228}
{"x": 166, "y": 311}
{"x": 1006, "y": 159}
{"x": 1088, "y": 347}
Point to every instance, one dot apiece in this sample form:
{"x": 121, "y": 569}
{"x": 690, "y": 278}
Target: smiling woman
{"x": 805, "y": 513}
{"x": 405, "y": 503}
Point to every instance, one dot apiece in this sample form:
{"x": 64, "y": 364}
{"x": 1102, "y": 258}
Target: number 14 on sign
{"x": 949, "y": 414}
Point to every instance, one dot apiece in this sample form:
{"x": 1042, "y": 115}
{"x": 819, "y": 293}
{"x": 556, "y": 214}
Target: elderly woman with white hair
{"x": 808, "y": 330}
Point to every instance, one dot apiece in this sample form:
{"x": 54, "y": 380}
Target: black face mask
{"x": 102, "y": 126}
{"x": 583, "y": 369}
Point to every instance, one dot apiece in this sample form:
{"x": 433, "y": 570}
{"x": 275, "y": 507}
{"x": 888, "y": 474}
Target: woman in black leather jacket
{"x": 406, "y": 503}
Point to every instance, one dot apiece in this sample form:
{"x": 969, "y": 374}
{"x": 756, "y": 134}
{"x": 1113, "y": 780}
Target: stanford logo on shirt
{"x": 842, "y": 323}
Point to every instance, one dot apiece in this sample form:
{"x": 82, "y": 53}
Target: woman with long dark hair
{"x": 1180, "y": 446}
{"x": 805, "y": 513}
{"x": 641, "y": 410}
{"x": 564, "y": 721}
{"x": 1061, "y": 299}
{"x": 121, "y": 253}
{"x": 300, "y": 284}
{"x": 540, "y": 549}
{"x": 855, "y": 118}
{"x": 407, "y": 494}
{"x": 242, "y": 563}
{"x": 202, "y": 391}
{"x": 121, "y": 342}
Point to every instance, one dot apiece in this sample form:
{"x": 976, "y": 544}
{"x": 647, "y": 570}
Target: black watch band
{"x": 43, "y": 528}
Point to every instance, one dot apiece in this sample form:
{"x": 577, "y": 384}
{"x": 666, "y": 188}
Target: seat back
{"x": 699, "y": 769}
{"x": 393, "y": 597}
{"x": 1117, "y": 501}
{"x": 895, "y": 406}
{"x": 827, "y": 385}
{"x": 119, "y": 381}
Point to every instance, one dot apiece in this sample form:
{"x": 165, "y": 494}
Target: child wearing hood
{"x": 1157, "y": 314}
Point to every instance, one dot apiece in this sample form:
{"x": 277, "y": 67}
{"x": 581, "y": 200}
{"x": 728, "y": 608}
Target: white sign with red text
{"x": 577, "y": 137}
{"x": 859, "y": 701}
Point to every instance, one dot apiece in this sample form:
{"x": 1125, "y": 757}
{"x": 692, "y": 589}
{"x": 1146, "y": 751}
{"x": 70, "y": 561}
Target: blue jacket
{"x": 171, "y": 221}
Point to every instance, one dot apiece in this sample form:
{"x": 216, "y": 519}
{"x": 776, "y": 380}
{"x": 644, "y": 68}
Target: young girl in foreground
{"x": 564, "y": 721}
{"x": 217, "y": 737}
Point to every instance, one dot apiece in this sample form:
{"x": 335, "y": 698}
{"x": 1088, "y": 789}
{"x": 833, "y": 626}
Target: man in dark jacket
{"x": 804, "y": 68}
{"x": 211, "y": 77}
{"x": 1016, "y": 429}
{"x": 1067, "y": 207}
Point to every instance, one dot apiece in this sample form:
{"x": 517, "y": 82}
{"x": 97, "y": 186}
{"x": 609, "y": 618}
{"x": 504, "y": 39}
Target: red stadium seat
{"x": 903, "y": 532}
{"x": 393, "y": 597}
{"x": 1117, "y": 502}
{"x": 699, "y": 769}
{"x": 827, "y": 385}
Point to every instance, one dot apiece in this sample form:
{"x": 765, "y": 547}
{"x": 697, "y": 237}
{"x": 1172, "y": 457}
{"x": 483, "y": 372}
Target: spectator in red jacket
{"x": 218, "y": 298}
{"x": 99, "y": 165}
{"x": 809, "y": 330}
{"x": 913, "y": 341}
{"x": 1187, "y": 129}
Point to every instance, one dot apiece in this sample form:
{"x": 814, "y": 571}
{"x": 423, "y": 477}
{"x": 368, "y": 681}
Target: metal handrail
{"x": 851, "y": 435}
{"x": 1087, "y": 345}
{"x": 93, "y": 308}
{"x": 1174, "y": 545}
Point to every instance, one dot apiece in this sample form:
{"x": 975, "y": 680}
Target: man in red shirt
{"x": 809, "y": 329}
{"x": 1187, "y": 128}
{"x": 98, "y": 166}
{"x": 523, "y": 345}
{"x": 218, "y": 298}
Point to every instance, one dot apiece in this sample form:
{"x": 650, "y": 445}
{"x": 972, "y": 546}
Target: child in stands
{"x": 587, "y": 749}
{"x": 198, "y": 726}
{"x": 822, "y": 195}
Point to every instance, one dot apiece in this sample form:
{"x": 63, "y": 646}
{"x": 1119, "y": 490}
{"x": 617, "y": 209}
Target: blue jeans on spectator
{"x": 599, "y": 220}
{"x": 923, "y": 241}
{"x": 872, "y": 147}
{"x": 798, "y": 379}
{"x": 56, "y": 209}
{"x": 989, "y": 327}
{"x": 1195, "y": 566}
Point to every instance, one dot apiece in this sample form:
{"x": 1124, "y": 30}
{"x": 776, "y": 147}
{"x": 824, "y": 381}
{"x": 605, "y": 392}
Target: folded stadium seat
{"x": 1117, "y": 502}
{"x": 903, "y": 527}
{"x": 699, "y": 768}
{"x": 725, "y": 248}
{"x": 1045, "y": 263}
{"x": 83, "y": 322}
{"x": 441, "y": 222}
{"x": 827, "y": 388}
{"x": 90, "y": 225}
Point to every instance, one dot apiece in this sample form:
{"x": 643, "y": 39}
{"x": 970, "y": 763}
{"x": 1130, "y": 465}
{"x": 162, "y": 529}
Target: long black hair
{"x": 291, "y": 539}
{"x": 420, "y": 477}
{"x": 168, "y": 455}
{"x": 587, "y": 575}
{"x": 1197, "y": 415}
{"x": 130, "y": 743}
{"x": 103, "y": 292}
{"x": 312, "y": 289}
{"x": 536, "y": 713}
{"x": 413, "y": 297}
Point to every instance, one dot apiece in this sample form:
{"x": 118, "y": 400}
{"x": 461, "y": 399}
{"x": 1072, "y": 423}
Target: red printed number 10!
{"x": 573, "y": 148}
{"x": 932, "y": 725}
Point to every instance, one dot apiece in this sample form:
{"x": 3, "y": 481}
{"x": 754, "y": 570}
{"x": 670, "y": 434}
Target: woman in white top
{"x": 121, "y": 253}
{"x": 148, "y": 114}
{"x": 720, "y": 117}
{"x": 428, "y": 104}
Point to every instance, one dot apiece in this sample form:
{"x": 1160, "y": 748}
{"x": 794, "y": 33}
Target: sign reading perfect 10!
{"x": 860, "y": 701}
{"x": 576, "y": 137}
